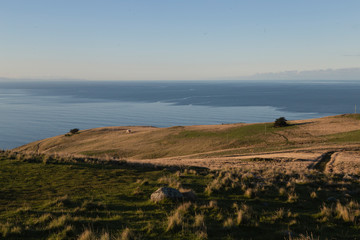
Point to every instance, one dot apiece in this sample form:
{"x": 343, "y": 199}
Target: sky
{"x": 179, "y": 39}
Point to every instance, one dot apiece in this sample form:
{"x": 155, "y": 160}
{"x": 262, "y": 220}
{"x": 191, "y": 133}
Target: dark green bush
{"x": 281, "y": 122}
{"x": 74, "y": 130}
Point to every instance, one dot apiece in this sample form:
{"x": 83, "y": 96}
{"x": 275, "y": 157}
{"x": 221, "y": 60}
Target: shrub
{"x": 74, "y": 130}
{"x": 281, "y": 122}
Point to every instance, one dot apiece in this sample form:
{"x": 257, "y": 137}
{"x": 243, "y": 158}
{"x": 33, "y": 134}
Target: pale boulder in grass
{"x": 164, "y": 193}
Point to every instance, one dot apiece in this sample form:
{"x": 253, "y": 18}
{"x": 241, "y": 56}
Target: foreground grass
{"x": 42, "y": 198}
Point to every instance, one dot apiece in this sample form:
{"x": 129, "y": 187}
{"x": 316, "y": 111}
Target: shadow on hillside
{"x": 299, "y": 124}
{"x": 93, "y": 162}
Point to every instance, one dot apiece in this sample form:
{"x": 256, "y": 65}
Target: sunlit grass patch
{"x": 353, "y": 136}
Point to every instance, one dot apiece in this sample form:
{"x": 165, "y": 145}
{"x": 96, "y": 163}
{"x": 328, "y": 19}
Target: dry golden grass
{"x": 243, "y": 215}
{"x": 87, "y": 235}
{"x": 229, "y": 223}
{"x": 199, "y": 221}
{"x": 59, "y": 222}
{"x": 170, "y": 181}
{"x": 127, "y": 234}
{"x": 178, "y": 217}
{"x": 291, "y": 148}
{"x": 313, "y": 195}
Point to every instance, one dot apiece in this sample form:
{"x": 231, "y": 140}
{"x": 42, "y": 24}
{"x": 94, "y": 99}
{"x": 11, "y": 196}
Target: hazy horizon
{"x": 347, "y": 74}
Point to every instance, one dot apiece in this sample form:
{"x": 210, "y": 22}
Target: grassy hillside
{"x": 151, "y": 143}
{"x": 42, "y": 198}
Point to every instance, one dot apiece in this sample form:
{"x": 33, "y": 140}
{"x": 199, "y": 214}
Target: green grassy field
{"x": 348, "y": 137}
{"x": 43, "y": 198}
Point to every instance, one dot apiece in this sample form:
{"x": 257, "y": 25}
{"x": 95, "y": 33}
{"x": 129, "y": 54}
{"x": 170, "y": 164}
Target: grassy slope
{"x": 147, "y": 142}
{"x": 154, "y": 143}
{"x": 59, "y": 200}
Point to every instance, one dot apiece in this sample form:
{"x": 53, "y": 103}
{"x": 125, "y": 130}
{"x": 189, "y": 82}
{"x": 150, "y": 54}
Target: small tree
{"x": 74, "y": 130}
{"x": 281, "y": 122}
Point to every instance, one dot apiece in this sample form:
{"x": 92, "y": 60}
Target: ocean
{"x": 34, "y": 110}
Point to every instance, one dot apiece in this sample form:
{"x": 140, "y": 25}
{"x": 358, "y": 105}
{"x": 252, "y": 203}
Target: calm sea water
{"x": 31, "y": 111}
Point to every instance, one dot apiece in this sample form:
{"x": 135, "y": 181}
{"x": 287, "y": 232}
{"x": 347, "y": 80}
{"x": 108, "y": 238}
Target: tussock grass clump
{"x": 59, "y": 222}
{"x": 244, "y": 214}
{"x": 46, "y": 217}
{"x": 149, "y": 228}
{"x": 8, "y": 228}
{"x": 170, "y": 181}
{"x": 347, "y": 213}
{"x": 137, "y": 191}
{"x": 313, "y": 195}
{"x": 326, "y": 213}
{"x": 249, "y": 193}
{"x": 224, "y": 182}
{"x": 229, "y": 223}
{"x": 142, "y": 182}
{"x": 88, "y": 234}
{"x": 279, "y": 214}
{"x": 282, "y": 191}
{"x": 202, "y": 235}
{"x": 105, "y": 236}
{"x": 177, "y": 218}
{"x": 127, "y": 234}
{"x": 213, "y": 204}
{"x": 292, "y": 197}
{"x": 192, "y": 171}
{"x": 282, "y": 215}
{"x": 199, "y": 221}
{"x": 304, "y": 237}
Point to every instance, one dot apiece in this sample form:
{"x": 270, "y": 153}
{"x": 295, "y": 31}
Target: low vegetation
{"x": 281, "y": 122}
{"x": 72, "y": 132}
{"x": 44, "y": 197}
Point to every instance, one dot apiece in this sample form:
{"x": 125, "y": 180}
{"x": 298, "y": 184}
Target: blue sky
{"x": 176, "y": 40}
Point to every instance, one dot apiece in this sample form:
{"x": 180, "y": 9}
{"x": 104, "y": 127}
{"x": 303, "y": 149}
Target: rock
{"x": 166, "y": 193}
